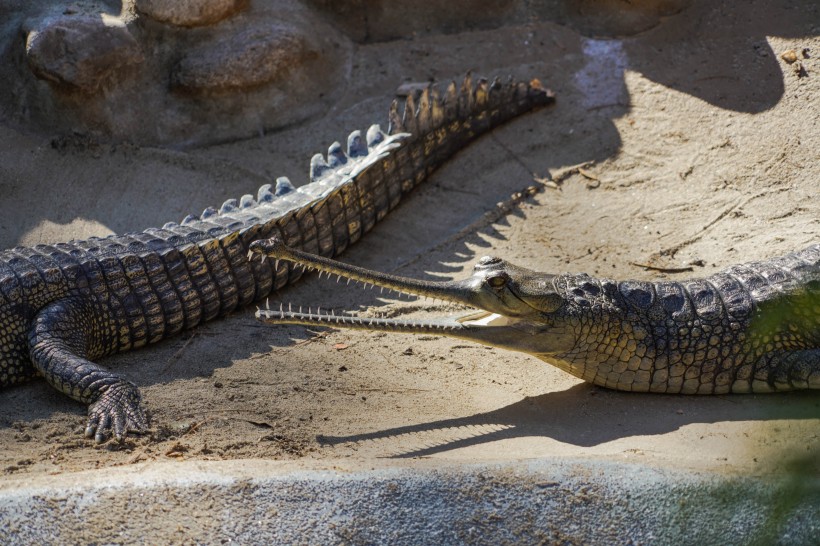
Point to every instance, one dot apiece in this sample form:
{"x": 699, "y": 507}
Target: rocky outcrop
{"x": 158, "y": 72}
{"x": 383, "y": 20}
{"x": 81, "y": 52}
{"x": 253, "y": 56}
{"x": 189, "y": 13}
{"x": 190, "y": 72}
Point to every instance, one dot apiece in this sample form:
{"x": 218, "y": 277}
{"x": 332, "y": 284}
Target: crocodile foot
{"x": 118, "y": 410}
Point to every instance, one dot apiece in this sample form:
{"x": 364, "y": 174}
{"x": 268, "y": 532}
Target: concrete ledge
{"x": 537, "y": 501}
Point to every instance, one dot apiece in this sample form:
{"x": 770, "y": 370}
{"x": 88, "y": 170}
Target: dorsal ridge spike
{"x": 450, "y": 100}
{"x": 375, "y": 136}
{"x": 336, "y": 155}
{"x": 436, "y": 107}
{"x": 228, "y": 206}
{"x": 425, "y": 110}
{"x": 318, "y": 166}
{"x": 264, "y": 195}
{"x": 409, "y": 121}
{"x": 356, "y": 146}
{"x": 466, "y": 102}
{"x": 283, "y": 186}
{"x": 395, "y": 126}
{"x": 481, "y": 93}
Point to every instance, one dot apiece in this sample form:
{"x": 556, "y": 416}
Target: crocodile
{"x": 66, "y": 305}
{"x": 750, "y": 328}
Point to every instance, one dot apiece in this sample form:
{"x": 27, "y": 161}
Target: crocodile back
{"x": 750, "y": 328}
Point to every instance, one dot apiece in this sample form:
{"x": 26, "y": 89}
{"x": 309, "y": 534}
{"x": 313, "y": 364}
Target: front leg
{"x": 64, "y": 335}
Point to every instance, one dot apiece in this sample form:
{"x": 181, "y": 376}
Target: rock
{"x": 192, "y": 85}
{"x": 380, "y": 20}
{"x": 608, "y": 18}
{"x": 189, "y": 13}
{"x": 81, "y": 51}
{"x": 253, "y": 56}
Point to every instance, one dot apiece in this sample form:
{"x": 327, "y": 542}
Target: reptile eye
{"x": 498, "y": 281}
{"x": 489, "y": 260}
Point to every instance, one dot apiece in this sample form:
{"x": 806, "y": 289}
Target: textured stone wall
{"x": 165, "y": 72}
{"x": 189, "y": 72}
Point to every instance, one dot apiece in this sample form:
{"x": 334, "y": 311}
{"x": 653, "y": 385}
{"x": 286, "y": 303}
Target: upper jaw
{"x": 466, "y": 292}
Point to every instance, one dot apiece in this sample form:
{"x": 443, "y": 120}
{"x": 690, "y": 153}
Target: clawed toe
{"x": 117, "y": 411}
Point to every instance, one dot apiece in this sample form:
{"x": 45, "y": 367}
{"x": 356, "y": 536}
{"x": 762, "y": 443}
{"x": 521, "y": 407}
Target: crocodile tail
{"x": 354, "y": 186}
{"x": 442, "y": 122}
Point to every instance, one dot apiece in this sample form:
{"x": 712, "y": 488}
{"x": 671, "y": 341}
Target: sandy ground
{"x": 699, "y": 148}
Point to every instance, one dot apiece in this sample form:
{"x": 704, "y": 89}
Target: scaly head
{"x": 517, "y": 308}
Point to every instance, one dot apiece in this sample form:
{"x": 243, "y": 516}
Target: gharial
{"x": 63, "y": 306}
{"x": 750, "y": 328}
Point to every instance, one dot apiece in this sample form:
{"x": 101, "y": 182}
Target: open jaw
{"x": 488, "y": 324}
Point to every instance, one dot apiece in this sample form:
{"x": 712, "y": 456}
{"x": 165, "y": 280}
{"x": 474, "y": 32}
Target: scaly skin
{"x": 64, "y": 306}
{"x": 751, "y": 328}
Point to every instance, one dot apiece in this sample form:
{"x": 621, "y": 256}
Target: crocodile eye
{"x": 498, "y": 280}
{"x": 489, "y": 260}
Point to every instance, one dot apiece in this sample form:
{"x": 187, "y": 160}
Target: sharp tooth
{"x": 281, "y": 307}
{"x": 381, "y": 290}
{"x": 318, "y": 310}
{"x": 267, "y": 303}
{"x": 250, "y": 256}
{"x": 276, "y": 266}
{"x": 290, "y": 308}
{"x": 348, "y": 281}
{"x": 338, "y": 278}
{"x": 263, "y": 258}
